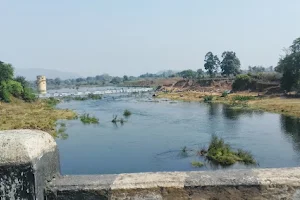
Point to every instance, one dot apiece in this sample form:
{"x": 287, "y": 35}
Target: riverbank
{"x": 281, "y": 105}
{"x": 37, "y": 115}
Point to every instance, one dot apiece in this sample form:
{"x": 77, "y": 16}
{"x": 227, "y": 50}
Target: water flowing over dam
{"x": 99, "y": 90}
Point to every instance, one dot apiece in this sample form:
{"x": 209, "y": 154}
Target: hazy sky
{"x": 138, "y": 36}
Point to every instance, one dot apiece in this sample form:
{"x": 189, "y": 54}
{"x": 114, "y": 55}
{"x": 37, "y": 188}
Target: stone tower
{"x": 41, "y": 84}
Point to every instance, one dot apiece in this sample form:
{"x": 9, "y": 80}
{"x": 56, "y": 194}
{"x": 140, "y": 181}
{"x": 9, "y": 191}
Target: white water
{"x": 86, "y": 91}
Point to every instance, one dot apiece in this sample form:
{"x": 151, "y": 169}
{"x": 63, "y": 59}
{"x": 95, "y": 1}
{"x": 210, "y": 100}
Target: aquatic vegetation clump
{"x": 87, "y": 119}
{"x": 183, "y": 153}
{"x": 197, "y": 164}
{"x": 223, "y": 154}
{"x": 115, "y": 120}
{"x": 83, "y": 98}
{"x": 94, "y": 96}
{"x": 184, "y": 149}
{"x": 127, "y": 113}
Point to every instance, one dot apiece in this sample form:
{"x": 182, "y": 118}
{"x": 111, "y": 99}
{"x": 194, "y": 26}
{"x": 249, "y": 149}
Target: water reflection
{"x": 291, "y": 126}
{"x": 235, "y": 113}
{"x": 213, "y": 109}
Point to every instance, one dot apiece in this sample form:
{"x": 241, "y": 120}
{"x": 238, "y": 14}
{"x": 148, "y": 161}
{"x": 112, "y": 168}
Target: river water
{"x": 153, "y": 136}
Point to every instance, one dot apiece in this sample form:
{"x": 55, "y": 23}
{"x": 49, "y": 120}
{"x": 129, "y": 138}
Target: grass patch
{"x": 87, "y": 119}
{"x": 208, "y": 98}
{"x": 127, "y": 113}
{"x": 242, "y": 98}
{"x": 38, "y": 115}
{"x": 222, "y": 153}
{"x": 197, "y": 164}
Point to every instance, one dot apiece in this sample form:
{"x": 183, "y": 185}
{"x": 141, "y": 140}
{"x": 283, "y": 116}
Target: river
{"x": 152, "y": 137}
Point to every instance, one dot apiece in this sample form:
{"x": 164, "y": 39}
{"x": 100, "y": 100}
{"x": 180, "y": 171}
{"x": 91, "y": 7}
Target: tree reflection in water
{"x": 235, "y": 113}
{"x": 291, "y": 126}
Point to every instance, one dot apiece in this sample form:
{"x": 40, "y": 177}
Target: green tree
{"x": 289, "y": 66}
{"x": 6, "y": 71}
{"x": 125, "y": 78}
{"x": 230, "y": 64}
{"x": 28, "y": 95}
{"x": 116, "y": 80}
{"x": 188, "y": 74}
{"x": 211, "y": 64}
{"x": 57, "y": 81}
{"x": 242, "y": 82}
{"x": 22, "y": 80}
{"x": 9, "y": 86}
{"x": 200, "y": 73}
{"x": 14, "y": 88}
{"x": 4, "y": 94}
{"x": 256, "y": 69}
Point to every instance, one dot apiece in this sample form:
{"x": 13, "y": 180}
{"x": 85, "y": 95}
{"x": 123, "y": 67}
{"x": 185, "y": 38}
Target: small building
{"x": 41, "y": 84}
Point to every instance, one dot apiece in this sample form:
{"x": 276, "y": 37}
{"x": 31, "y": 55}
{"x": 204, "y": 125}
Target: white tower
{"x": 41, "y": 84}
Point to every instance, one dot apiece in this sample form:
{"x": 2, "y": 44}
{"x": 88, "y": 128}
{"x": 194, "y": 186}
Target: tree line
{"x": 229, "y": 66}
{"x": 13, "y": 87}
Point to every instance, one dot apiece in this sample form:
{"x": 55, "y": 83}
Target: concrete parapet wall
{"x": 283, "y": 183}
{"x": 27, "y": 160}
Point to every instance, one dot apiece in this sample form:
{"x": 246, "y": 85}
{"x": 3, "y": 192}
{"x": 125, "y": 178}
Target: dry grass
{"x": 37, "y": 115}
{"x": 284, "y": 106}
{"x": 198, "y": 96}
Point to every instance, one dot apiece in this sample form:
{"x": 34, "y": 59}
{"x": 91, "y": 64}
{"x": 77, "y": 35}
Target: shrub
{"x": 28, "y": 95}
{"x": 224, "y": 94}
{"x": 242, "y": 82}
{"x": 197, "y": 164}
{"x": 208, "y": 98}
{"x": 87, "y": 119}
{"x": 14, "y": 88}
{"x": 126, "y": 113}
{"x": 4, "y": 93}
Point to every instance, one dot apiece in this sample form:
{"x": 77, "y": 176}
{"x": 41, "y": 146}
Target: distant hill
{"x": 31, "y": 73}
